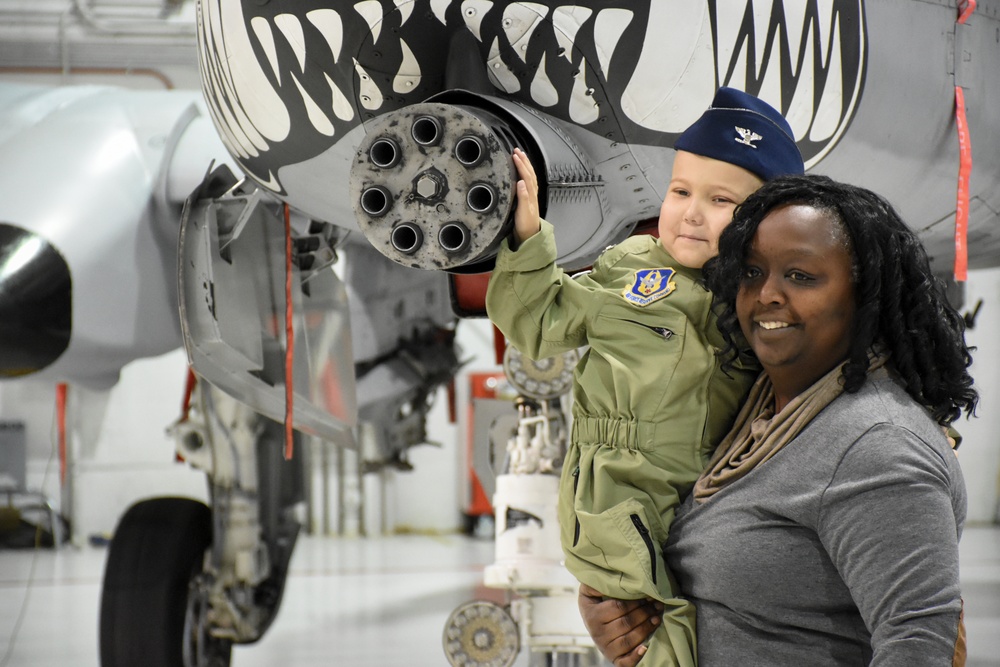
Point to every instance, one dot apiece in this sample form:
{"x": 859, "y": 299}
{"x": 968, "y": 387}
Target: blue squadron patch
{"x": 649, "y": 285}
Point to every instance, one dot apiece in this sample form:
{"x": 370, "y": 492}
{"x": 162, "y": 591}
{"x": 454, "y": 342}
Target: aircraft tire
{"x": 156, "y": 551}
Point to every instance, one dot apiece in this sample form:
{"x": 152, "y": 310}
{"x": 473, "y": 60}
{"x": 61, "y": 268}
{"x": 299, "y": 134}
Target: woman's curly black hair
{"x": 901, "y": 305}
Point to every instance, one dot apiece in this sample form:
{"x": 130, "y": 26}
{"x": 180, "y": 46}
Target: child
{"x": 650, "y": 400}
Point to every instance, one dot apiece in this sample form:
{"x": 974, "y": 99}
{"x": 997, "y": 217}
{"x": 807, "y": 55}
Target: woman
{"x": 825, "y": 531}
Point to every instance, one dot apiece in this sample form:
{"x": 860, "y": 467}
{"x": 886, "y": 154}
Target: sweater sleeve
{"x": 891, "y": 519}
{"x": 539, "y": 308}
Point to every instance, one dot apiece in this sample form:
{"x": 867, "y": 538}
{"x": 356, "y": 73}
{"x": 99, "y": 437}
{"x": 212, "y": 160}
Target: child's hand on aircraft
{"x": 526, "y": 219}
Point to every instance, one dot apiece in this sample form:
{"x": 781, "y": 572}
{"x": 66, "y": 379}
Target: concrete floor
{"x": 379, "y": 602}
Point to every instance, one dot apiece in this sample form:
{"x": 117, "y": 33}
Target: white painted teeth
{"x": 773, "y": 325}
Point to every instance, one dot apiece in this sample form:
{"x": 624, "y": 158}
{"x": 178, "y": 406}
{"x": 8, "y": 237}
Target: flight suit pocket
{"x": 624, "y": 548}
{"x": 569, "y": 527}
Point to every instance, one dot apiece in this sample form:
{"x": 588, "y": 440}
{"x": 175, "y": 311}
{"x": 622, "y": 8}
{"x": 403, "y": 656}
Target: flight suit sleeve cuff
{"x": 535, "y": 253}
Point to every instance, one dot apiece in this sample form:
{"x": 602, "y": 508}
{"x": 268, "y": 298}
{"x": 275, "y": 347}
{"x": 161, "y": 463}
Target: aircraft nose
{"x": 35, "y": 302}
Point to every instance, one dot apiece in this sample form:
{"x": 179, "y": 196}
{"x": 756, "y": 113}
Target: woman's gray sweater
{"x": 840, "y": 550}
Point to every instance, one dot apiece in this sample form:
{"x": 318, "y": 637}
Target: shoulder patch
{"x": 649, "y": 285}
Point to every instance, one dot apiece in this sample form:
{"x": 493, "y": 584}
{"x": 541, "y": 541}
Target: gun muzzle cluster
{"x": 433, "y": 186}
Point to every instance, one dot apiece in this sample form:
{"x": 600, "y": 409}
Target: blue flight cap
{"x": 746, "y": 131}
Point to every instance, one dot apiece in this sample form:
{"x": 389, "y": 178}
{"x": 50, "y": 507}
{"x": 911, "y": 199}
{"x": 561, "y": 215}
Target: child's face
{"x": 699, "y": 204}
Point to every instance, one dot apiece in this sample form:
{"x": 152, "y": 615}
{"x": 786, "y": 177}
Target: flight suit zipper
{"x": 647, "y": 538}
{"x": 576, "y": 528}
{"x": 662, "y": 332}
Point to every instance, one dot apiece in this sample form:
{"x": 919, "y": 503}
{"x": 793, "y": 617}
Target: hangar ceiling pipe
{"x": 126, "y": 23}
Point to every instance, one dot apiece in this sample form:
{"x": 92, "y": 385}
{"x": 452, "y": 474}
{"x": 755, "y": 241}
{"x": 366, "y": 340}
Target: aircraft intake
{"x": 433, "y": 186}
{"x": 35, "y": 302}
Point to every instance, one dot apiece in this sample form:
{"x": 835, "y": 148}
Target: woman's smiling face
{"x": 796, "y": 300}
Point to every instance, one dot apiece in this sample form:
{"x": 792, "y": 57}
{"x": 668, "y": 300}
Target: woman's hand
{"x": 619, "y": 627}
{"x": 527, "y": 222}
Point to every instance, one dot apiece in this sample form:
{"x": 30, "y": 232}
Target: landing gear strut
{"x": 183, "y": 583}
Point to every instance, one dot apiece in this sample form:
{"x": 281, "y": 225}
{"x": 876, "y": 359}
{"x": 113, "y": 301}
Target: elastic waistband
{"x": 625, "y": 433}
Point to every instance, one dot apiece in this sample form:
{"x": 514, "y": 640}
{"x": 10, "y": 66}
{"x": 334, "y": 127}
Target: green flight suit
{"x": 650, "y": 403}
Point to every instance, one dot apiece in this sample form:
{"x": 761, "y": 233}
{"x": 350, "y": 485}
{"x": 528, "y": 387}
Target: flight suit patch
{"x": 649, "y": 285}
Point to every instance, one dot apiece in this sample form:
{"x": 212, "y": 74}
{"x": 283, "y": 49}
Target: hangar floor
{"x": 379, "y": 602}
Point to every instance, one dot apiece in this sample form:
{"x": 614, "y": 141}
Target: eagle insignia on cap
{"x": 747, "y": 137}
{"x": 649, "y": 285}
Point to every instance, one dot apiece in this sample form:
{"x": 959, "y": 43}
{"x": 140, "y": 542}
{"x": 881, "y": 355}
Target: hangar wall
{"x": 980, "y": 451}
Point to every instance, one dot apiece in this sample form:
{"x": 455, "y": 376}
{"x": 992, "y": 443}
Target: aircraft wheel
{"x": 151, "y": 605}
{"x": 481, "y": 634}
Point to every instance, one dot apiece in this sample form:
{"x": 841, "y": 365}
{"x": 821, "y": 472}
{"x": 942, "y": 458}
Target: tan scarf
{"x": 759, "y": 434}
